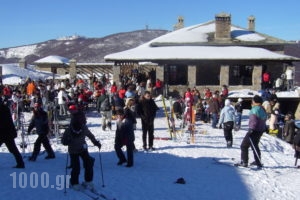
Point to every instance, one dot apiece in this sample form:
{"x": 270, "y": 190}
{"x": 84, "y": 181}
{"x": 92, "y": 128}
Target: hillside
{"x": 82, "y": 49}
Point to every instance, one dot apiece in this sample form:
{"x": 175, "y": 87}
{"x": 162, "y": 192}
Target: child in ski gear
{"x": 273, "y": 123}
{"x": 124, "y": 136}
{"x": 8, "y": 134}
{"x": 146, "y": 109}
{"x": 257, "y": 126}
{"x": 227, "y": 118}
{"x": 239, "y": 111}
{"x": 39, "y": 120}
{"x": 74, "y": 138}
{"x": 104, "y": 107}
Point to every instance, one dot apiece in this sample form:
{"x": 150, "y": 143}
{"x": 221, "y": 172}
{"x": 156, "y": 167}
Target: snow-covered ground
{"x": 154, "y": 173}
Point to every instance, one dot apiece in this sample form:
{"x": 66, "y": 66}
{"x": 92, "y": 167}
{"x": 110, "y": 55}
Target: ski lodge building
{"x": 210, "y": 54}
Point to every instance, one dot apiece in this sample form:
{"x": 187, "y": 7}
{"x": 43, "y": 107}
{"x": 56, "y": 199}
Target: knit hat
{"x": 257, "y": 99}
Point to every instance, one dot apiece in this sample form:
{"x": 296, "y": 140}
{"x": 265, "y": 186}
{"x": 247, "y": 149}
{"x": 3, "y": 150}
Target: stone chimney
{"x": 251, "y": 23}
{"x": 23, "y": 63}
{"x": 179, "y": 24}
{"x": 223, "y": 26}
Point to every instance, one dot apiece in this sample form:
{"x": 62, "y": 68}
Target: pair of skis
{"x": 170, "y": 118}
{"x": 191, "y": 119}
{"x": 94, "y": 195}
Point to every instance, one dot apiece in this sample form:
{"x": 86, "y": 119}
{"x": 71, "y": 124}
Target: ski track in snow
{"x": 154, "y": 173}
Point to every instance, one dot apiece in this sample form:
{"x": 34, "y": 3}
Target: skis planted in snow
{"x": 172, "y": 119}
{"x": 167, "y": 116}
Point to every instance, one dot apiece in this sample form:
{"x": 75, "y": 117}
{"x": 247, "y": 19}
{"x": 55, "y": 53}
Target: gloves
{"x": 250, "y": 131}
{"x": 98, "y": 144}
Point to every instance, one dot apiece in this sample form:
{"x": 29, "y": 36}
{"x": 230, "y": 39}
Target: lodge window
{"x": 208, "y": 75}
{"x": 176, "y": 74}
{"x": 240, "y": 75}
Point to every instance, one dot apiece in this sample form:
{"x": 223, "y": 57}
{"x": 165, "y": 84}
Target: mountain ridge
{"x": 80, "y": 48}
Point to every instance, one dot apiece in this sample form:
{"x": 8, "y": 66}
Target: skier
{"x": 74, "y": 138}
{"x": 39, "y": 120}
{"x": 227, "y": 118}
{"x": 257, "y": 126}
{"x": 124, "y": 136}
{"x": 8, "y": 134}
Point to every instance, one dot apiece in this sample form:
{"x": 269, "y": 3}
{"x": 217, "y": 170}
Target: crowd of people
{"x": 125, "y": 102}
{"x": 265, "y": 116}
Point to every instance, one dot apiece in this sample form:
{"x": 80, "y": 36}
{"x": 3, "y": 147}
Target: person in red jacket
{"x": 158, "y": 87}
{"x": 266, "y": 80}
{"x": 122, "y": 92}
{"x": 114, "y": 88}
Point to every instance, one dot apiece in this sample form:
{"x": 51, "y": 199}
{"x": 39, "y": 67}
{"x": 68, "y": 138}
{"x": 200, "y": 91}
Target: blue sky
{"x": 31, "y": 21}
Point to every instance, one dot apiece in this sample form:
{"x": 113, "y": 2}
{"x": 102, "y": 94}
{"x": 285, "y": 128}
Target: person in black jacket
{"x": 124, "y": 136}
{"x": 8, "y": 134}
{"x": 74, "y": 138}
{"x": 146, "y": 109}
{"x": 39, "y": 120}
{"x": 129, "y": 112}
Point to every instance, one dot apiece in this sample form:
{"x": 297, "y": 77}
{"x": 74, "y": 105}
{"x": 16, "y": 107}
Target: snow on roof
{"x": 189, "y": 44}
{"x": 199, "y": 34}
{"x": 53, "y": 59}
{"x": 147, "y": 53}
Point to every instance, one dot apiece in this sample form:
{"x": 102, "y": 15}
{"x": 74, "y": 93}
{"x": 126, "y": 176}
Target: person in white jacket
{"x": 289, "y": 78}
{"x": 227, "y": 119}
{"x": 62, "y": 99}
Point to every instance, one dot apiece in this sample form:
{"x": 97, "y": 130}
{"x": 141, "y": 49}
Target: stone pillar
{"x": 23, "y": 63}
{"x": 256, "y": 77}
{"x": 224, "y": 75}
{"x": 160, "y": 73}
{"x": 192, "y": 71}
{"x": 116, "y": 73}
{"x": 72, "y": 70}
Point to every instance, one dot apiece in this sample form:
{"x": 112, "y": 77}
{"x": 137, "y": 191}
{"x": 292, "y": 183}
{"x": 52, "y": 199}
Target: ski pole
{"x": 296, "y": 161}
{"x": 66, "y": 173}
{"x": 101, "y": 169}
{"x": 255, "y": 151}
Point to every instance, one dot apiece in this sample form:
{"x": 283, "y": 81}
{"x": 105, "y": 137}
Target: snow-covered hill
{"x": 80, "y": 48}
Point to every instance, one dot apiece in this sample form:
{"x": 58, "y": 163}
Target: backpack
{"x": 105, "y": 105}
